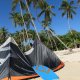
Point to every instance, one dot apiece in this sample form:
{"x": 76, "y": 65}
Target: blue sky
{"x": 59, "y": 24}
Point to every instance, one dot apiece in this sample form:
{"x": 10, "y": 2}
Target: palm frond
{"x": 71, "y": 2}
{"x": 23, "y": 6}
{"x": 73, "y": 11}
{"x": 74, "y": 7}
{"x": 63, "y": 14}
{"x": 39, "y": 15}
{"x": 53, "y": 13}
{"x": 29, "y": 2}
{"x": 68, "y": 8}
{"x": 14, "y": 4}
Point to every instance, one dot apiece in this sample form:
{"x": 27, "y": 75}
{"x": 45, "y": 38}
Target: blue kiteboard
{"x": 45, "y": 73}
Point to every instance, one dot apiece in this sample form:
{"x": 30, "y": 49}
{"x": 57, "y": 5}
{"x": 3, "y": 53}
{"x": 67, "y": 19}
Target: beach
{"x": 71, "y": 70}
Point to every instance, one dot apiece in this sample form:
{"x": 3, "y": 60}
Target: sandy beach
{"x": 71, "y": 70}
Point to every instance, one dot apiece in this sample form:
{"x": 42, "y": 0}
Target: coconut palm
{"x": 74, "y": 35}
{"x": 24, "y": 6}
{"x": 3, "y": 34}
{"x": 17, "y": 19}
{"x": 32, "y": 34}
{"x": 27, "y": 8}
{"x": 15, "y": 3}
{"x": 51, "y": 39}
{"x": 18, "y": 36}
{"x": 46, "y": 10}
{"x": 68, "y": 9}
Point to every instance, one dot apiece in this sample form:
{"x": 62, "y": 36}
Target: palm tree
{"x": 52, "y": 32}
{"x": 51, "y": 39}
{"x": 15, "y": 4}
{"x": 68, "y": 9}
{"x": 16, "y": 17}
{"x": 3, "y": 34}
{"x": 46, "y": 11}
{"x": 19, "y": 18}
{"x": 27, "y": 8}
{"x": 18, "y": 37}
{"x": 71, "y": 36}
{"x": 24, "y": 6}
{"x": 32, "y": 34}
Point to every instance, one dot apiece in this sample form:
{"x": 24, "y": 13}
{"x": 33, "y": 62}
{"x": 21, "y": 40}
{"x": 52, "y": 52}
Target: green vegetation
{"x": 47, "y": 38}
{"x": 24, "y": 18}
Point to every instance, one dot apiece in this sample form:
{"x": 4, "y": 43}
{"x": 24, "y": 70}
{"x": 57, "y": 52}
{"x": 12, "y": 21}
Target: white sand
{"x": 71, "y": 70}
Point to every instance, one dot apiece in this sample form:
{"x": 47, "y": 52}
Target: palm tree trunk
{"x": 52, "y": 43}
{"x": 71, "y": 32}
{"x": 32, "y": 20}
{"x": 24, "y": 26}
{"x": 69, "y": 26}
{"x": 50, "y": 40}
{"x": 23, "y": 20}
{"x": 59, "y": 39}
{"x": 20, "y": 40}
{"x": 24, "y": 39}
{"x": 55, "y": 44}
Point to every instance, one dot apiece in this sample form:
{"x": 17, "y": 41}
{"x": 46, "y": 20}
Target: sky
{"x": 59, "y": 24}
